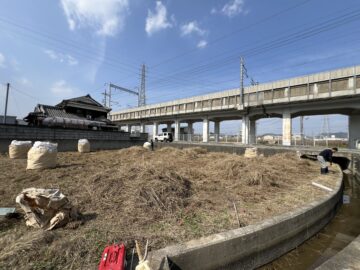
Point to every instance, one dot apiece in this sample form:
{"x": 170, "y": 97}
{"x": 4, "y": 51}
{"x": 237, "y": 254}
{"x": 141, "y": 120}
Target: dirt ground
{"x": 166, "y": 196}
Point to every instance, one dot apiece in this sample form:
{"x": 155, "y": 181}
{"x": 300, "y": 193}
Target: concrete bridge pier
{"x": 245, "y": 129}
{"x": 142, "y": 128}
{"x": 129, "y": 127}
{"x": 155, "y": 129}
{"x": 168, "y": 126}
{"x": 190, "y": 131}
{"x": 286, "y": 128}
{"x": 252, "y": 132}
{"x": 248, "y": 130}
{"x": 177, "y": 130}
{"x": 205, "y": 130}
{"x": 217, "y": 130}
{"x": 354, "y": 130}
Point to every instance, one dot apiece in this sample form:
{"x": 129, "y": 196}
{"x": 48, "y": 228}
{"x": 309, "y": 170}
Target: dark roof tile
{"x": 53, "y": 111}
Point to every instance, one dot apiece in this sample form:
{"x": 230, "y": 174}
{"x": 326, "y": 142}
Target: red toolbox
{"x": 113, "y": 258}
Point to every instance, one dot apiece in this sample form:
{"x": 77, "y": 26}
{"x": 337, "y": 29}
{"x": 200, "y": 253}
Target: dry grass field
{"x": 166, "y": 196}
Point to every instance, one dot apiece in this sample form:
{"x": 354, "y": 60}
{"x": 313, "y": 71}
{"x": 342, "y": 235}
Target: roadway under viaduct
{"x": 331, "y": 92}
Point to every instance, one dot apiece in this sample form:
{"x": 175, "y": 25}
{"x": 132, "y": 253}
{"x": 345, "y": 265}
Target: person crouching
{"x": 326, "y": 156}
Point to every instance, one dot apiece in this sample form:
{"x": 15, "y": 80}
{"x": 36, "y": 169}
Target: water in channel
{"x": 334, "y": 237}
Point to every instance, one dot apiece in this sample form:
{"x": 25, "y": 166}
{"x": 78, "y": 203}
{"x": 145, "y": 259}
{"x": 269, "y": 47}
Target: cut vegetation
{"x": 166, "y": 196}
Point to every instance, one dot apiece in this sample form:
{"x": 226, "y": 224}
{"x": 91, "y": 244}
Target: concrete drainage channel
{"x": 325, "y": 250}
{"x": 255, "y": 245}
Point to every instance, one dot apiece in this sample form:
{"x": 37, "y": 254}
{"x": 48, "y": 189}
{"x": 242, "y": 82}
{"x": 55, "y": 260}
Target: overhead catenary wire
{"x": 74, "y": 49}
{"x": 50, "y": 37}
{"x": 284, "y": 67}
{"x": 65, "y": 47}
{"x": 277, "y": 43}
{"x": 275, "y": 69}
{"x": 69, "y": 43}
{"x": 183, "y": 80}
{"x": 251, "y": 44}
{"x": 230, "y": 34}
{"x": 216, "y": 83}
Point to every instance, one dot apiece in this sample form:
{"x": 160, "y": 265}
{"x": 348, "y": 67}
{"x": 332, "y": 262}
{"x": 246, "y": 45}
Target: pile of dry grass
{"x": 166, "y": 196}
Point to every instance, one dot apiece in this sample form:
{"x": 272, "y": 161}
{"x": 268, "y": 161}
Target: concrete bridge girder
{"x": 334, "y": 91}
{"x": 286, "y": 111}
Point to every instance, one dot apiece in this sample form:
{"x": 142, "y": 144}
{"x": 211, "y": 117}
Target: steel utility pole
{"x": 142, "y": 95}
{"x": 106, "y": 95}
{"x": 241, "y": 81}
{"x": 6, "y": 101}
{"x": 114, "y": 86}
{"x": 109, "y": 95}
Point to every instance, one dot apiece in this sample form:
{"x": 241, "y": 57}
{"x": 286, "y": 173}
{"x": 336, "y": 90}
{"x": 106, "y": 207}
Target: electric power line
{"x": 230, "y": 34}
{"x": 277, "y": 43}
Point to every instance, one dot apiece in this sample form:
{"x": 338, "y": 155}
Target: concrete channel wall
{"x": 255, "y": 245}
{"x": 67, "y": 139}
{"x": 349, "y": 257}
{"x": 356, "y": 166}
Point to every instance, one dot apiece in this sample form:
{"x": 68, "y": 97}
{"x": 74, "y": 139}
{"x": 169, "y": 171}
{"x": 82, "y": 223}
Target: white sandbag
{"x": 19, "y": 149}
{"x": 250, "y": 152}
{"x": 45, "y": 208}
{"x": 83, "y": 146}
{"x": 143, "y": 265}
{"x": 147, "y": 145}
{"x": 42, "y": 155}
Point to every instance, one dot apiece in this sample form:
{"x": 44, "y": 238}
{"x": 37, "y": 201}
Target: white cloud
{"x": 51, "y": 54}
{"x": 190, "y": 28}
{"x": 15, "y": 65}
{"x": 193, "y": 28}
{"x": 62, "y": 58}
{"x": 213, "y": 11}
{"x": 71, "y": 60}
{"x": 62, "y": 89}
{"x": 2, "y": 61}
{"x": 25, "y": 81}
{"x": 107, "y": 17}
{"x": 233, "y": 8}
{"x": 157, "y": 20}
{"x": 202, "y": 44}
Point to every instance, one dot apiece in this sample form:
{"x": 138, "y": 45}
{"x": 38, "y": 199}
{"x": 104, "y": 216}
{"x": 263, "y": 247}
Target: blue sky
{"x": 50, "y": 50}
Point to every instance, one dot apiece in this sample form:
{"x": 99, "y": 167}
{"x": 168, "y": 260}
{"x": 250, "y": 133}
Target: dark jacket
{"x": 327, "y": 154}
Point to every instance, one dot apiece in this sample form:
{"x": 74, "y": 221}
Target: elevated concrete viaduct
{"x": 336, "y": 91}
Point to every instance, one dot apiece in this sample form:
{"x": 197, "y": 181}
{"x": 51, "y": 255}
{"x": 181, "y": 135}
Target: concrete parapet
{"x": 254, "y": 245}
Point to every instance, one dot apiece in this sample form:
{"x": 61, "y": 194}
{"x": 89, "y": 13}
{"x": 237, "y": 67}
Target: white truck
{"x": 164, "y": 137}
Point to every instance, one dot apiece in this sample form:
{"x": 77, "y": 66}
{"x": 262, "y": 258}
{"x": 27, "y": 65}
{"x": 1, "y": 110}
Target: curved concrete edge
{"x": 356, "y": 166}
{"x": 348, "y": 258}
{"x": 254, "y": 245}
